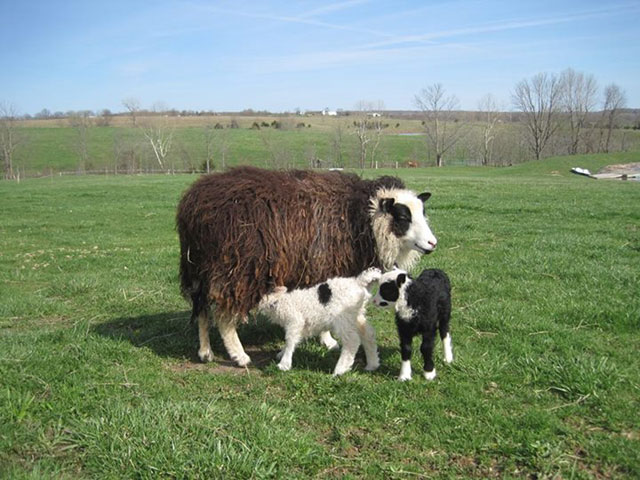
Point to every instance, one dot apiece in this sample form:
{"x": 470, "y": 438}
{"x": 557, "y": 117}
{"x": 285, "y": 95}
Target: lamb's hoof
{"x": 430, "y": 375}
{"x": 242, "y": 360}
{"x": 284, "y": 367}
{"x": 205, "y": 355}
{"x": 371, "y": 367}
{"x": 328, "y": 341}
{"x": 404, "y": 378}
{"x": 337, "y": 373}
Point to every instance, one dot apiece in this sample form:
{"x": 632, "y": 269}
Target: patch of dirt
{"x": 621, "y": 168}
{"x": 225, "y": 366}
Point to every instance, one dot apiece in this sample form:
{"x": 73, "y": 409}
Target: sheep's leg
{"x": 350, "y": 343}
{"x": 227, "y": 329}
{"x": 327, "y": 340}
{"x": 426, "y": 348}
{"x": 368, "y": 338}
{"x": 204, "y": 353}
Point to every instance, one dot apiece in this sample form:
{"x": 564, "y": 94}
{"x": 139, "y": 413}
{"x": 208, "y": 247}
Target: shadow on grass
{"x": 171, "y": 335}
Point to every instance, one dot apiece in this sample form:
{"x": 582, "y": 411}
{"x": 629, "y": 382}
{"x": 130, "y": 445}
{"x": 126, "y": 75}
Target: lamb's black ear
{"x": 424, "y": 196}
{"x": 386, "y": 204}
{"x": 400, "y": 279}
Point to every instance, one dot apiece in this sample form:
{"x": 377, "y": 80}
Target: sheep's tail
{"x": 369, "y": 276}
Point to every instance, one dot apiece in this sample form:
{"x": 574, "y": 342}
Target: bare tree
{"x": 158, "y": 130}
{"x": 578, "y": 100}
{"x": 368, "y": 123}
{"x": 216, "y": 145}
{"x": 490, "y": 114}
{"x": 361, "y": 132}
{"x": 336, "y": 146}
{"x": 104, "y": 118}
{"x": 539, "y": 100}
{"x": 81, "y": 122}
{"x": 159, "y": 133}
{"x": 133, "y": 106}
{"x": 614, "y": 100}
{"x": 377, "y": 125}
{"x": 209, "y": 143}
{"x": 8, "y": 138}
{"x": 442, "y": 129}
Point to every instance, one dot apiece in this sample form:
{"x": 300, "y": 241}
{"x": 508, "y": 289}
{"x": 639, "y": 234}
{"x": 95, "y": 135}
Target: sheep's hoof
{"x": 205, "y": 355}
{"x": 430, "y": 375}
{"x": 404, "y": 378}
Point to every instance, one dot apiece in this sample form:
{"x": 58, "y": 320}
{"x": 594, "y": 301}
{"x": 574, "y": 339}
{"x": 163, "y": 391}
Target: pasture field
{"x": 100, "y": 377}
{"x": 53, "y": 146}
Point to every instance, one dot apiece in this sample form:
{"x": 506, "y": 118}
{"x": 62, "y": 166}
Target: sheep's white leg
{"x": 293, "y": 335}
{"x": 448, "y": 353}
{"x": 350, "y": 343}
{"x": 368, "y": 339}
{"x": 405, "y": 371}
{"x": 327, "y": 340}
{"x": 227, "y": 329}
{"x": 204, "y": 353}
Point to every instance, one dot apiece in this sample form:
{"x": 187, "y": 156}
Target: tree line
{"x": 551, "y": 114}
{"x": 566, "y": 111}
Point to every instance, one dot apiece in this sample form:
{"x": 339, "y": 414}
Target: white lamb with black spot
{"x": 338, "y": 305}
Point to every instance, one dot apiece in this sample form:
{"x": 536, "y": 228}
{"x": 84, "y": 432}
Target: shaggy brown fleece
{"x": 246, "y": 230}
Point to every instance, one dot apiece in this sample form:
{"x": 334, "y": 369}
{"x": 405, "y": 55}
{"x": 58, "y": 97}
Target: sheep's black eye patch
{"x": 389, "y": 291}
{"x": 401, "y": 219}
{"x": 324, "y": 293}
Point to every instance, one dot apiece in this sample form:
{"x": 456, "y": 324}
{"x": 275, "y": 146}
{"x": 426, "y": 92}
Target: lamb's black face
{"x": 389, "y": 290}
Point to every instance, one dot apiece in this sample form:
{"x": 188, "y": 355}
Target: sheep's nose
{"x": 433, "y": 244}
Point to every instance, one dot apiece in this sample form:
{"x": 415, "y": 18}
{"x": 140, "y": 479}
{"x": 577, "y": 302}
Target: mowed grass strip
{"x": 100, "y": 376}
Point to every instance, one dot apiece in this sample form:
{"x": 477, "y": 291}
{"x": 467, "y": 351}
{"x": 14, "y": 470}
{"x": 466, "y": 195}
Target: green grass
{"x": 45, "y": 150}
{"x": 100, "y": 377}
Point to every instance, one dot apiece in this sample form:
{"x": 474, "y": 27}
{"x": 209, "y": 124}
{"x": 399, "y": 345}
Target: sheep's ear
{"x": 400, "y": 279}
{"x": 424, "y": 196}
{"x": 386, "y": 204}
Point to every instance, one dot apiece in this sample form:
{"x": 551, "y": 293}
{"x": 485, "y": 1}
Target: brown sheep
{"x": 247, "y": 230}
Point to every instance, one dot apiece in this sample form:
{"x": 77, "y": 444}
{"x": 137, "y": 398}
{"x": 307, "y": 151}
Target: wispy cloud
{"x": 302, "y": 19}
{"x": 332, "y": 8}
{"x": 396, "y": 47}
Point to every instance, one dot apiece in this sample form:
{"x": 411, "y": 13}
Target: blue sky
{"x": 283, "y": 55}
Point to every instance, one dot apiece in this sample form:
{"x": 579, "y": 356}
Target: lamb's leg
{"x": 405, "y": 352}
{"x": 292, "y": 336}
{"x": 204, "y": 353}
{"x": 368, "y": 338}
{"x": 227, "y": 329}
{"x": 428, "y": 339}
{"x": 444, "y": 317}
{"x": 350, "y": 343}
{"x": 448, "y": 352}
{"x": 327, "y": 340}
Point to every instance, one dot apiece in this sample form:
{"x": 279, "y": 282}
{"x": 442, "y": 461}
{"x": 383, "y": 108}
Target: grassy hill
{"x": 100, "y": 376}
